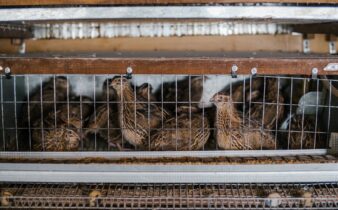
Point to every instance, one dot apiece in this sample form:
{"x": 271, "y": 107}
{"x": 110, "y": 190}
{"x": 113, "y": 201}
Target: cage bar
{"x": 178, "y": 196}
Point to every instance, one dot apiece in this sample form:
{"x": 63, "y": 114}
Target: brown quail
{"x": 135, "y": 119}
{"x": 232, "y": 133}
{"x": 186, "y": 132}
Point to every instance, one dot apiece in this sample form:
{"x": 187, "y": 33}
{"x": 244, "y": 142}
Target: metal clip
{"x": 254, "y": 72}
{"x": 331, "y": 67}
{"x": 21, "y": 43}
{"x": 306, "y": 46}
{"x": 234, "y": 70}
{"x": 332, "y": 47}
{"x": 7, "y": 72}
{"x": 314, "y": 73}
{"x": 129, "y": 73}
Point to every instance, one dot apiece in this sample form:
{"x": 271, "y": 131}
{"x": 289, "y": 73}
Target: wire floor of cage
{"x": 170, "y": 196}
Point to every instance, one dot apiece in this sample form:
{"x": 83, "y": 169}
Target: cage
{"x": 165, "y": 112}
{"x": 167, "y": 104}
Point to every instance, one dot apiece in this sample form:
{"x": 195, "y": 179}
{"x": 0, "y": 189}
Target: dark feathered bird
{"x": 232, "y": 133}
{"x": 187, "y": 90}
{"x": 76, "y": 112}
{"x": 135, "y": 119}
{"x": 303, "y": 134}
{"x": 269, "y": 109}
{"x": 248, "y": 97}
{"x": 38, "y": 105}
{"x": 47, "y": 137}
{"x": 104, "y": 123}
{"x": 107, "y": 93}
{"x": 144, "y": 92}
{"x": 48, "y": 98}
{"x": 186, "y": 132}
{"x": 239, "y": 91}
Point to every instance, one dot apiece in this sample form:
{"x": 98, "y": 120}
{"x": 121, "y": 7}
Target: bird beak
{"x": 213, "y": 98}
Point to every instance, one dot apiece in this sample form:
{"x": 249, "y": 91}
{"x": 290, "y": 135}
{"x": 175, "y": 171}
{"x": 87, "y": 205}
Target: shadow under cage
{"x": 166, "y": 112}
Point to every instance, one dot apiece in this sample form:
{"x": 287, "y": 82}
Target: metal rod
{"x": 28, "y": 112}
{"x": 15, "y": 113}
{"x": 2, "y": 113}
{"x": 100, "y": 173}
{"x": 158, "y": 154}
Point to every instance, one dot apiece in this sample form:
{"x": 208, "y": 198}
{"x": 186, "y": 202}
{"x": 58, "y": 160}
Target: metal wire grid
{"x": 15, "y": 94}
{"x": 191, "y": 196}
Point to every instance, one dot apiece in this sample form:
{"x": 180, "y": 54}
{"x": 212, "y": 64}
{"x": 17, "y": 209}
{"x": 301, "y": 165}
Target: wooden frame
{"x": 170, "y": 63}
{"x": 135, "y": 2}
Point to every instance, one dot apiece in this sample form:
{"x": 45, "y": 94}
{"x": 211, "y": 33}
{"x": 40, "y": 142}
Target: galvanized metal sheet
{"x": 323, "y": 13}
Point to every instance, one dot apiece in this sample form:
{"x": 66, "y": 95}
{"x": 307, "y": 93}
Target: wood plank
{"x": 169, "y": 63}
{"x": 286, "y": 43}
{"x": 233, "y": 43}
{"x": 140, "y": 2}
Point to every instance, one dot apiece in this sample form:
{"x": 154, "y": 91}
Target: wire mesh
{"x": 165, "y": 112}
{"x": 173, "y": 196}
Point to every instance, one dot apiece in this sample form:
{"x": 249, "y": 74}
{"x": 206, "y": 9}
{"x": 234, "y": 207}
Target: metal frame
{"x": 159, "y": 154}
{"x": 170, "y": 196}
{"x": 112, "y": 173}
{"x": 285, "y": 13}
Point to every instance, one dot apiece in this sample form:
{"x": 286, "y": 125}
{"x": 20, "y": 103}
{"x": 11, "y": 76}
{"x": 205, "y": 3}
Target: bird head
{"x": 62, "y": 82}
{"x": 145, "y": 90}
{"x": 119, "y": 83}
{"x": 220, "y": 99}
{"x": 73, "y": 140}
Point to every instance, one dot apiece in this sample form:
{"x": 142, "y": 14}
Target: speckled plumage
{"x": 272, "y": 105}
{"x": 302, "y": 134}
{"x": 49, "y": 138}
{"x": 70, "y": 114}
{"x": 232, "y": 133}
{"x": 186, "y": 132}
{"x": 61, "y": 86}
{"x": 99, "y": 124}
{"x": 188, "y": 89}
{"x": 135, "y": 119}
{"x": 144, "y": 92}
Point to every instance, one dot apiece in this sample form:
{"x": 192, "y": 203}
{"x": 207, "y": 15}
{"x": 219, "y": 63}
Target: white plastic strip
{"x": 103, "y": 173}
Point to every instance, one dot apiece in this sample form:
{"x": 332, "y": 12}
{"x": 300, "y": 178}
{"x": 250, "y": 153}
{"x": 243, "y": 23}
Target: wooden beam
{"x": 169, "y": 63}
{"x": 140, "y": 2}
{"x": 286, "y": 43}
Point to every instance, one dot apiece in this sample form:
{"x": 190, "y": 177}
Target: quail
{"x": 268, "y": 109}
{"x": 135, "y": 119}
{"x": 58, "y": 139}
{"x": 189, "y": 131}
{"x": 47, "y": 137}
{"x": 232, "y": 133}
{"x": 144, "y": 92}
{"x": 62, "y": 87}
{"x": 103, "y": 118}
{"x": 300, "y": 133}
{"x": 77, "y": 112}
{"x": 184, "y": 91}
